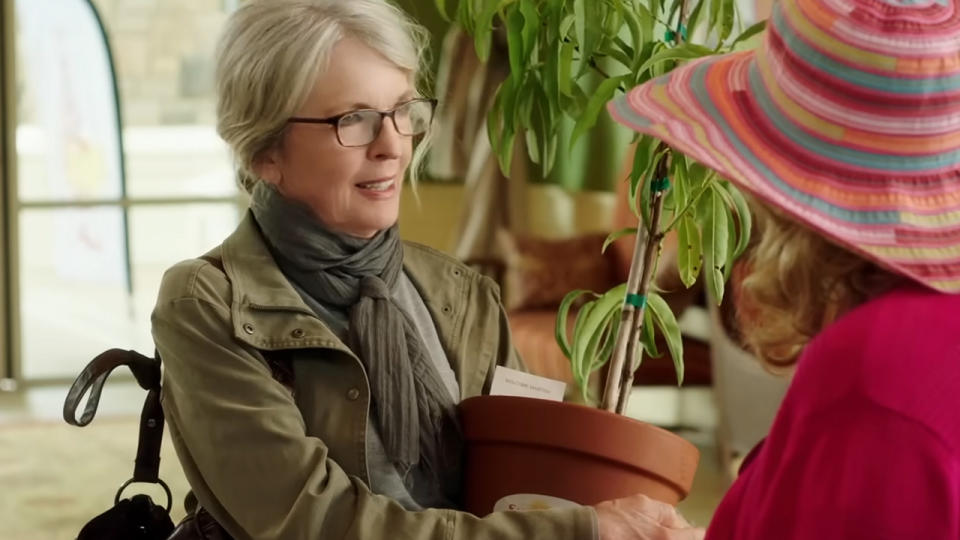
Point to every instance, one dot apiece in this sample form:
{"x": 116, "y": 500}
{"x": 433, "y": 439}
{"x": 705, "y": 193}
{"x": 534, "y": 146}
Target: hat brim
{"x": 709, "y": 110}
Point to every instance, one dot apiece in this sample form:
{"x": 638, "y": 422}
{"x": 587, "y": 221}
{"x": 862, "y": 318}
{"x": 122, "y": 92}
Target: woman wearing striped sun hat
{"x": 844, "y": 127}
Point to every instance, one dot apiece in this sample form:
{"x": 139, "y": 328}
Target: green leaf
{"x": 509, "y": 94}
{"x": 483, "y": 30}
{"x": 674, "y": 7}
{"x": 648, "y": 337}
{"x": 716, "y": 11}
{"x": 689, "y": 251}
{"x": 613, "y": 237}
{"x": 531, "y": 26}
{"x": 678, "y": 177}
{"x": 561, "y": 324}
{"x": 744, "y": 219}
{"x": 713, "y": 278}
{"x": 533, "y": 146}
{"x": 565, "y": 69}
{"x": 695, "y": 17}
{"x": 442, "y": 8}
{"x": 648, "y": 21}
{"x": 587, "y": 19}
{"x": 586, "y": 348}
{"x": 641, "y": 164}
{"x": 579, "y": 340}
{"x": 610, "y": 338}
{"x": 593, "y": 358}
{"x": 515, "y": 48}
{"x": 729, "y": 256}
{"x": 655, "y": 5}
{"x": 565, "y": 25}
{"x": 527, "y": 96}
{"x": 493, "y": 120}
{"x": 718, "y": 236}
{"x": 685, "y": 51}
{"x": 603, "y": 94}
{"x": 505, "y": 152}
{"x": 749, "y": 33}
{"x": 548, "y": 81}
{"x": 667, "y": 323}
{"x": 580, "y": 21}
{"x": 464, "y": 17}
{"x": 699, "y": 174}
{"x": 715, "y": 239}
{"x": 612, "y": 21}
{"x": 650, "y": 49}
{"x": 632, "y": 20}
{"x": 590, "y": 323}
{"x": 727, "y": 15}
{"x": 551, "y": 153}
{"x": 622, "y": 53}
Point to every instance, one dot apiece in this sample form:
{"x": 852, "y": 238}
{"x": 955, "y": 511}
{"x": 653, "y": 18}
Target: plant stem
{"x": 611, "y": 391}
{"x": 620, "y": 371}
{"x": 650, "y": 256}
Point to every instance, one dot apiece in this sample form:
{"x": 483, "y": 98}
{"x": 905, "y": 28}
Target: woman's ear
{"x": 267, "y": 166}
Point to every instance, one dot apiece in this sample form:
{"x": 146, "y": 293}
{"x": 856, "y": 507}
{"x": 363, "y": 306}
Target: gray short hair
{"x": 272, "y": 53}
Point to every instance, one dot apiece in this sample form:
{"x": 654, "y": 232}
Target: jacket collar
{"x": 257, "y": 281}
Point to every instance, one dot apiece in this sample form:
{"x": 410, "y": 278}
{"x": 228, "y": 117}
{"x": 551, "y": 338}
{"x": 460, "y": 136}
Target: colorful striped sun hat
{"x": 847, "y": 118}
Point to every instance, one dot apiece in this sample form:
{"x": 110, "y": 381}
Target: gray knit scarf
{"x": 416, "y": 415}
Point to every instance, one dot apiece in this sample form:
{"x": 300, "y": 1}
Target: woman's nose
{"x": 389, "y": 142}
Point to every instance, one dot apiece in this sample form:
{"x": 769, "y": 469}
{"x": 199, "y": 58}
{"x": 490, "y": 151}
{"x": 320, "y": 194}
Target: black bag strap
{"x": 146, "y": 370}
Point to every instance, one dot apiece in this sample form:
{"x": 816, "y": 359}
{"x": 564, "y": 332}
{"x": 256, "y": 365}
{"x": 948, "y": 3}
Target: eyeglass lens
{"x": 361, "y": 128}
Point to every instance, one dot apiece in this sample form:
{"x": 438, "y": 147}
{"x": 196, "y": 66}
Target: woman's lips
{"x": 377, "y": 185}
{"x": 378, "y": 189}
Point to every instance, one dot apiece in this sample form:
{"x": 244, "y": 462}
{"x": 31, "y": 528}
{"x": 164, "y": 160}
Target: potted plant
{"x": 568, "y": 59}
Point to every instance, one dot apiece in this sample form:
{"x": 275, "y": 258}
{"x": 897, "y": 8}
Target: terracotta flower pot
{"x": 581, "y": 454}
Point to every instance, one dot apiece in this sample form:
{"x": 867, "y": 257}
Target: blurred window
{"x": 94, "y": 228}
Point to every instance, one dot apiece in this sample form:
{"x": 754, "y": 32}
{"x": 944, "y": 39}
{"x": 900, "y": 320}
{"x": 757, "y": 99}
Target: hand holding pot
{"x": 641, "y": 518}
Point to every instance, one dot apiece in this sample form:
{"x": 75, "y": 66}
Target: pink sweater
{"x": 867, "y": 442}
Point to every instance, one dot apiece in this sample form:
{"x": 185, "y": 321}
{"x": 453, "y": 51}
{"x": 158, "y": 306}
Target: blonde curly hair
{"x": 797, "y": 283}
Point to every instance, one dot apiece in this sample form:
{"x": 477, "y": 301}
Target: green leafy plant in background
{"x": 558, "y": 49}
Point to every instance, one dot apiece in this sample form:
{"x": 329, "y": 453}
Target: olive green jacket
{"x": 271, "y": 463}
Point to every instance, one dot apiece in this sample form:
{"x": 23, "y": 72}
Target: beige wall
{"x": 435, "y": 219}
{"x": 552, "y": 213}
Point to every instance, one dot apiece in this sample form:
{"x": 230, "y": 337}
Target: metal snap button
{"x": 297, "y": 333}
{"x": 353, "y": 394}
{"x": 248, "y": 328}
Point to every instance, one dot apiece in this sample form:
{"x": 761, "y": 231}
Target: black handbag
{"x": 137, "y": 517}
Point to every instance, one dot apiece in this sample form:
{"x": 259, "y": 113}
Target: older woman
{"x": 845, "y": 129}
{"x": 313, "y": 361}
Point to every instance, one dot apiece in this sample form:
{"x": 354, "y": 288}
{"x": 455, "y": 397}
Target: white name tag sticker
{"x": 510, "y": 382}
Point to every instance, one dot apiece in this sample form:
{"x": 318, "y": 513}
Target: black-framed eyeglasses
{"x": 361, "y": 127}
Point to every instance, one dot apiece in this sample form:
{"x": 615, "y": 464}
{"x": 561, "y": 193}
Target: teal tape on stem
{"x": 637, "y": 300}
{"x": 670, "y": 35}
{"x": 660, "y": 185}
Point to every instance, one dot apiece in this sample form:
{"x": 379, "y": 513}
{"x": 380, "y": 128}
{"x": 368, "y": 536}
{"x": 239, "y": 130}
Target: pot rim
{"x": 599, "y": 433}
